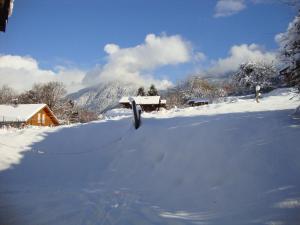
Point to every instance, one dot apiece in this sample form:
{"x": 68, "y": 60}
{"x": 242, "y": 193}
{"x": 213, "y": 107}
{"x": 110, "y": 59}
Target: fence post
{"x": 136, "y": 113}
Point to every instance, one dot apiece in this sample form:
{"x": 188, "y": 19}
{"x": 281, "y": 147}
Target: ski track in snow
{"x": 227, "y": 163}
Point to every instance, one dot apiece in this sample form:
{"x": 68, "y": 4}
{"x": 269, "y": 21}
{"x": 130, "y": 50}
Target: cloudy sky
{"x": 82, "y": 43}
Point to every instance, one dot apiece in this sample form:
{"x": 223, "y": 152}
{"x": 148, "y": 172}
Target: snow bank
{"x": 117, "y": 114}
{"x": 14, "y": 142}
{"x": 213, "y": 167}
{"x": 297, "y": 112}
{"x": 279, "y": 99}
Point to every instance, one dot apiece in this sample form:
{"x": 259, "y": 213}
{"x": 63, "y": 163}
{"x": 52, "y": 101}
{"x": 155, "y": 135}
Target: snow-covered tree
{"x": 290, "y": 50}
{"x": 175, "y": 97}
{"x": 193, "y": 87}
{"x": 254, "y": 73}
{"x": 152, "y": 91}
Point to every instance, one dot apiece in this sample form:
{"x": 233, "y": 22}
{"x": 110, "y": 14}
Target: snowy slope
{"x": 204, "y": 166}
{"x": 103, "y": 96}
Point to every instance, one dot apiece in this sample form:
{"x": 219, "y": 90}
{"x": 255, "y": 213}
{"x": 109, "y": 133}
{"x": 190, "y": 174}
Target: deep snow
{"x": 229, "y": 163}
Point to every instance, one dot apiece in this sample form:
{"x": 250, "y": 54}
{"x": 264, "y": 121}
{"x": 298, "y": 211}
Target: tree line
{"x": 241, "y": 82}
{"x": 53, "y": 94}
{"x": 151, "y": 92}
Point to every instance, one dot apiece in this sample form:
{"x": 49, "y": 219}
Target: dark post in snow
{"x": 257, "y": 93}
{"x": 136, "y": 113}
{"x": 5, "y": 12}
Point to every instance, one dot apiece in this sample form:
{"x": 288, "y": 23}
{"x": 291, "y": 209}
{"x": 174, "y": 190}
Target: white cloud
{"x": 228, "y": 7}
{"x": 18, "y": 62}
{"x": 111, "y": 48}
{"x": 239, "y": 54}
{"x": 199, "y": 56}
{"x": 136, "y": 64}
{"x": 21, "y": 73}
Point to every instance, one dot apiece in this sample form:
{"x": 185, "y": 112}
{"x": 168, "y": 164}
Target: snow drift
{"x": 239, "y": 167}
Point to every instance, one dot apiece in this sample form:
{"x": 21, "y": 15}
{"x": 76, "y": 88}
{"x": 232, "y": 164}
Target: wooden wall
{"x": 48, "y": 121}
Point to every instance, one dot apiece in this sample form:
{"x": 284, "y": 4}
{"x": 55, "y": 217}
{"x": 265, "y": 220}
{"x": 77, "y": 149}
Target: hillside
{"x": 104, "y": 96}
{"x": 234, "y": 163}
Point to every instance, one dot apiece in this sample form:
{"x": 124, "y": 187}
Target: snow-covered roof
{"x": 142, "y": 100}
{"x": 163, "y": 101}
{"x": 20, "y": 112}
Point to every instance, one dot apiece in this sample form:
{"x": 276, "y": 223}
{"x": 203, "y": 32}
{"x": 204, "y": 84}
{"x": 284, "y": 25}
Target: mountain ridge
{"x": 103, "y": 96}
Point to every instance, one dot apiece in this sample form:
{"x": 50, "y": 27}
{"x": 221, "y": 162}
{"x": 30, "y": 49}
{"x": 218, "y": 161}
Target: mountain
{"x": 104, "y": 96}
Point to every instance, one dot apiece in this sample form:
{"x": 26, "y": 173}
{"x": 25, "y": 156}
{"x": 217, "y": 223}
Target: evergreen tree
{"x": 141, "y": 92}
{"x": 152, "y": 91}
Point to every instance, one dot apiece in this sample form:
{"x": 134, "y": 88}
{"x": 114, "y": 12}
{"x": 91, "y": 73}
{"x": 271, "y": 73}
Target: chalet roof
{"x": 20, "y": 112}
{"x": 142, "y": 100}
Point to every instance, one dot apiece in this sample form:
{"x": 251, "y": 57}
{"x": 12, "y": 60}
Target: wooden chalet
{"x": 27, "y": 114}
{"x": 147, "y": 103}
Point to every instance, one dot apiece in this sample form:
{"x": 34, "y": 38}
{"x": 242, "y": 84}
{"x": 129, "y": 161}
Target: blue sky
{"x": 73, "y": 33}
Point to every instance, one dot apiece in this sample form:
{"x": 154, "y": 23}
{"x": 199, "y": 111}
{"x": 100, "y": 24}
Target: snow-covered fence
{"x": 10, "y": 123}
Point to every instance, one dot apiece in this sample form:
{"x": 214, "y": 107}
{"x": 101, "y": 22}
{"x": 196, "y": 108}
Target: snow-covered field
{"x": 236, "y": 162}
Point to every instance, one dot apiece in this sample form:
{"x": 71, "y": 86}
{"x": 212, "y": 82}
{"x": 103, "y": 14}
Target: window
{"x": 43, "y": 118}
{"x": 39, "y": 118}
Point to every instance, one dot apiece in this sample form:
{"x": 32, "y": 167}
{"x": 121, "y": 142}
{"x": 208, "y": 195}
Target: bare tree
{"x": 175, "y": 97}
{"x": 193, "y": 87}
{"x": 197, "y": 87}
{"x": 87, "y": 116}
{"x": 7, "y": 94}
{"x": 50, "y": 93}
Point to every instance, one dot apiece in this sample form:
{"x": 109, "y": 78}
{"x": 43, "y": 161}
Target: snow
{"x": 235, "y": 162}
{"x": 117, "y": 114}
{"x": 14, "y": 142}
{"x": 143, "y": 100}
{"x": 297, "y": 112}
{"x": 20, "y": 112}
{"x": 279, "y": 99}
{"x": 163, "y": 101}
{"x": 103, "y": 96}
